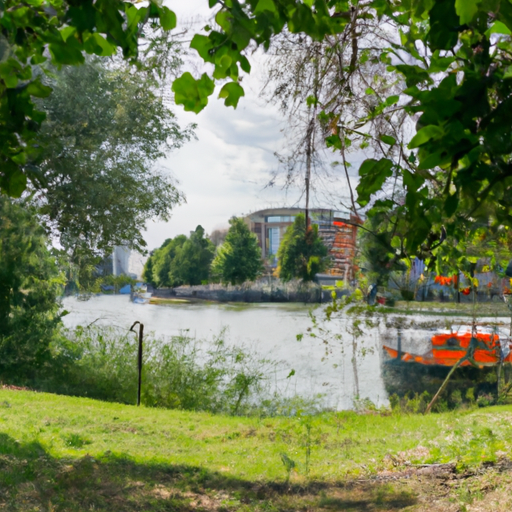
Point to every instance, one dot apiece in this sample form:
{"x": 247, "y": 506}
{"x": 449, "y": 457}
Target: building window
{"x": 280, "y": 218}
{"x": 275, "y": 239}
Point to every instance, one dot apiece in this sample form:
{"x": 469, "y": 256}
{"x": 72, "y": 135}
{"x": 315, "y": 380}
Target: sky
{"x": 225, "y": 171}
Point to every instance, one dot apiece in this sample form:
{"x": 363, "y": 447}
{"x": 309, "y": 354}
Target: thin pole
{"x": 139, "y": 358}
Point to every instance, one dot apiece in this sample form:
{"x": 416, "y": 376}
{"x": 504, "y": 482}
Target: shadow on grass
{"x": 33, "y": 480}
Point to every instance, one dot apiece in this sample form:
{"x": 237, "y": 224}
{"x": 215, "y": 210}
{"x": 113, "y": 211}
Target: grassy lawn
{"x": 62, "y": 453}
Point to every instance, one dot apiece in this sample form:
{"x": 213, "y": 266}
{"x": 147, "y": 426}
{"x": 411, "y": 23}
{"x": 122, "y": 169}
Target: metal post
{"x": 139, "y": 357}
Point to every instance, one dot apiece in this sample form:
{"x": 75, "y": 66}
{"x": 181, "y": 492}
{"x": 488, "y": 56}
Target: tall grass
{"x": 180, "y": 372}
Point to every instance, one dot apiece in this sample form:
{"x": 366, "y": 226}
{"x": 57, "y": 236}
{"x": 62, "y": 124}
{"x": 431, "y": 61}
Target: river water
{"x": 269, "y": 329}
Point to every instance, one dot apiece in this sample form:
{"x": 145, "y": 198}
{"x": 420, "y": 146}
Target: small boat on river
{"x": 141, "y": 297}
{"x": 141, "y": 294}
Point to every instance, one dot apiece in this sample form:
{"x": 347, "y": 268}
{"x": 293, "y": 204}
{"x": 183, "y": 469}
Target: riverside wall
{"x": 261, "y": 291}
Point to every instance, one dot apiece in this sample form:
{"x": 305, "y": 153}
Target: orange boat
{"x": 477, "y": 349}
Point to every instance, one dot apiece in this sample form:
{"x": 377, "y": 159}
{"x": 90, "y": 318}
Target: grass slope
{"x": 59, "y": 453}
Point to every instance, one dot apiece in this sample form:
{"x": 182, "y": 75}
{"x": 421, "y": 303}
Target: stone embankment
{"x": 264, "y": 290}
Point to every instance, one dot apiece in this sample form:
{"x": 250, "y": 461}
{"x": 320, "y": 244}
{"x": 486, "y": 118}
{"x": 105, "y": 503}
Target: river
{"x": 269, "y": 329}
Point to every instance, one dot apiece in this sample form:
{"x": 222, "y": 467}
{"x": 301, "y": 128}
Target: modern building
{"x": 127, "y": 262}
{"x": 337, "y": 229}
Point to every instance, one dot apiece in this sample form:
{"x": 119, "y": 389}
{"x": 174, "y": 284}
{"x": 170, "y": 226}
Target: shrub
{"x": 179, "y": 373}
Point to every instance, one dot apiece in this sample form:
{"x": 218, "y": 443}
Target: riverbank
{"x": 60, "y": 453}
{"x": 264, "y": 290}
{"x": 479, "y": 310}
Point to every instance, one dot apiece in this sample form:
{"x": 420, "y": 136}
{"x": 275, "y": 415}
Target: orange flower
{"x": 466, "y": 291}
{"x": 443, "y": 280}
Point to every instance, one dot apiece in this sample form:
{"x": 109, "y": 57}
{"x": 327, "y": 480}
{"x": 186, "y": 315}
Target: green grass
{"x": 63, "y": 453}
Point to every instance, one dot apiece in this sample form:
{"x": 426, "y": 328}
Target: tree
{"x": 99, "y": 151}
{"x": 161, "y": 261}
{"x": 302, "y": 253}
{"x": 238, "y": 259}
{"x": 181, "y": 260}
{"x": 34, "y": 34}
{"x": 30, "y": 283}
{"x": 323, "y": 88}
{"x": 457, "y": 175}
{"x": 191, "y": 264}
{"x": 147, "y": 273}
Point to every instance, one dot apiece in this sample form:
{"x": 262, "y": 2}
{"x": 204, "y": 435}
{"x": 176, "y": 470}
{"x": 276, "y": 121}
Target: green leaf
{"x": 425, "y": 134}
{"x": 20, "y": 158}
{"x": 438, "y": 64}
{"x": 167, "y": 18}
{"x": 7, "y": 74}
{"x": 333, "y": 141}
{"x": 387, "y": 139}
{"x": 244, "y": 64}
{"x": 232, "y": 91}
{"x": 291, "y": 374}
{"x": 15, "y": 183}
{"x": 412, "y": 181}
{"x": 466, "y": 9}
{"x": 311, "y": 101}
{"x": 202, "y": 44}
{"x": 391, "y": 100}
{"x": 498, "y": 27}
{"x": 98, "y": 45}
{"x": 191, "y": 93}
{"x": 67, "y": 32}
{"x": 265, "y": 5}
{"x": 37, "y": 89}
{"x": 373, "y": 175}
{"x": 64, "y": 53}
{"x": 431, "y": 160}
{"x": 451, "y": 204}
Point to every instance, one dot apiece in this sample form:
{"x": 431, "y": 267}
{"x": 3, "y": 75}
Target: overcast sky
{"x": 224, "y": 172}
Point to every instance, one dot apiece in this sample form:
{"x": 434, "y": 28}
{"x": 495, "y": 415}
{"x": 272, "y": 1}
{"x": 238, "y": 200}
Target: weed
{"x": 289, "y": 465}
{"x": 76, "y": 441}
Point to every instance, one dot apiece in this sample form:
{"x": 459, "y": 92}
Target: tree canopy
{"x": 181, "y": 260}
{"x": 30, "y": 282}
{"x": 38, "y": 33}
{"x": 238, "y": 259}
{"x": 98, "y": 157}
{"x": 302, "y": 253}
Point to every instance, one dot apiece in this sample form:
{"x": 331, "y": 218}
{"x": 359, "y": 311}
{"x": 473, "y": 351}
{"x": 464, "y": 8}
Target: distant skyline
{"x": 224, "y": 172}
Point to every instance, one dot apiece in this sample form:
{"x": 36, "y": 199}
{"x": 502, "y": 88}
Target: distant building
{"x": 269, "y": 226}
{"x": 127, "y": 262}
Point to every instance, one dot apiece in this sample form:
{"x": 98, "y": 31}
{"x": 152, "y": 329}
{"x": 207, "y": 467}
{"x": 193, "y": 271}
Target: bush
{"x": 178, "y": 373}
